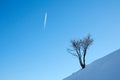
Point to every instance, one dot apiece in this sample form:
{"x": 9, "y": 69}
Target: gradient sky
{"x": 28, "y": 52}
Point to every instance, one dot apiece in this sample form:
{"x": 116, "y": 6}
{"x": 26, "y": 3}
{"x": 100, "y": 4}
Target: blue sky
{"x": 28, "y": 52}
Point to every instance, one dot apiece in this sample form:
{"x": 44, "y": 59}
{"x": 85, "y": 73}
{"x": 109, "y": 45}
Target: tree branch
{"x": 70, "y": 51}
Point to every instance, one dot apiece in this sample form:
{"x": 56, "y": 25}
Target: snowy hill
{"x": 106, "y": 68}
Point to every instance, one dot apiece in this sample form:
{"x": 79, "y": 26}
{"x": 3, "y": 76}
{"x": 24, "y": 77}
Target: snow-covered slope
{"x": 106, "y": 68}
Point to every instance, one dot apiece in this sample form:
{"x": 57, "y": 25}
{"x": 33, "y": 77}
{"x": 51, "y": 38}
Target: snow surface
{"x": 106, "y": 68}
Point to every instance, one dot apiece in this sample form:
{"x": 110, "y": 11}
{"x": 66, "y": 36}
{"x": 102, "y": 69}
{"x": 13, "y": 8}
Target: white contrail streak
{"x": 45, "y": 20}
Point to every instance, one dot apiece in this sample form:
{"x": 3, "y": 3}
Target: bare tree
{"x": 80, "y": 49}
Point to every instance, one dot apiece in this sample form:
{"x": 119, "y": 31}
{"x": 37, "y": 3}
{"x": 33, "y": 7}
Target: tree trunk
{"x": 84, "y": 56}
{"x": 81, "y": 63}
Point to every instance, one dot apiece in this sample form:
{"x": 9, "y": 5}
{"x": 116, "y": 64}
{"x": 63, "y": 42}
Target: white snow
{"x": 106, "y": 68}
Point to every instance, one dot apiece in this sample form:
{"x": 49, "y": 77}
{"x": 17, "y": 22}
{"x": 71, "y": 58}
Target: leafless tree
{"x": 80, "y": 49}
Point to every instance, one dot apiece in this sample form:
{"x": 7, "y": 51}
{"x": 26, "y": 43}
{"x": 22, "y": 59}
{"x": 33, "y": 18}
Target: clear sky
{"x": 30, "y": 52}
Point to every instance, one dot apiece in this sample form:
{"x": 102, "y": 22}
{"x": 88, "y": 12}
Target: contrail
{"x": 45, "y": 20}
